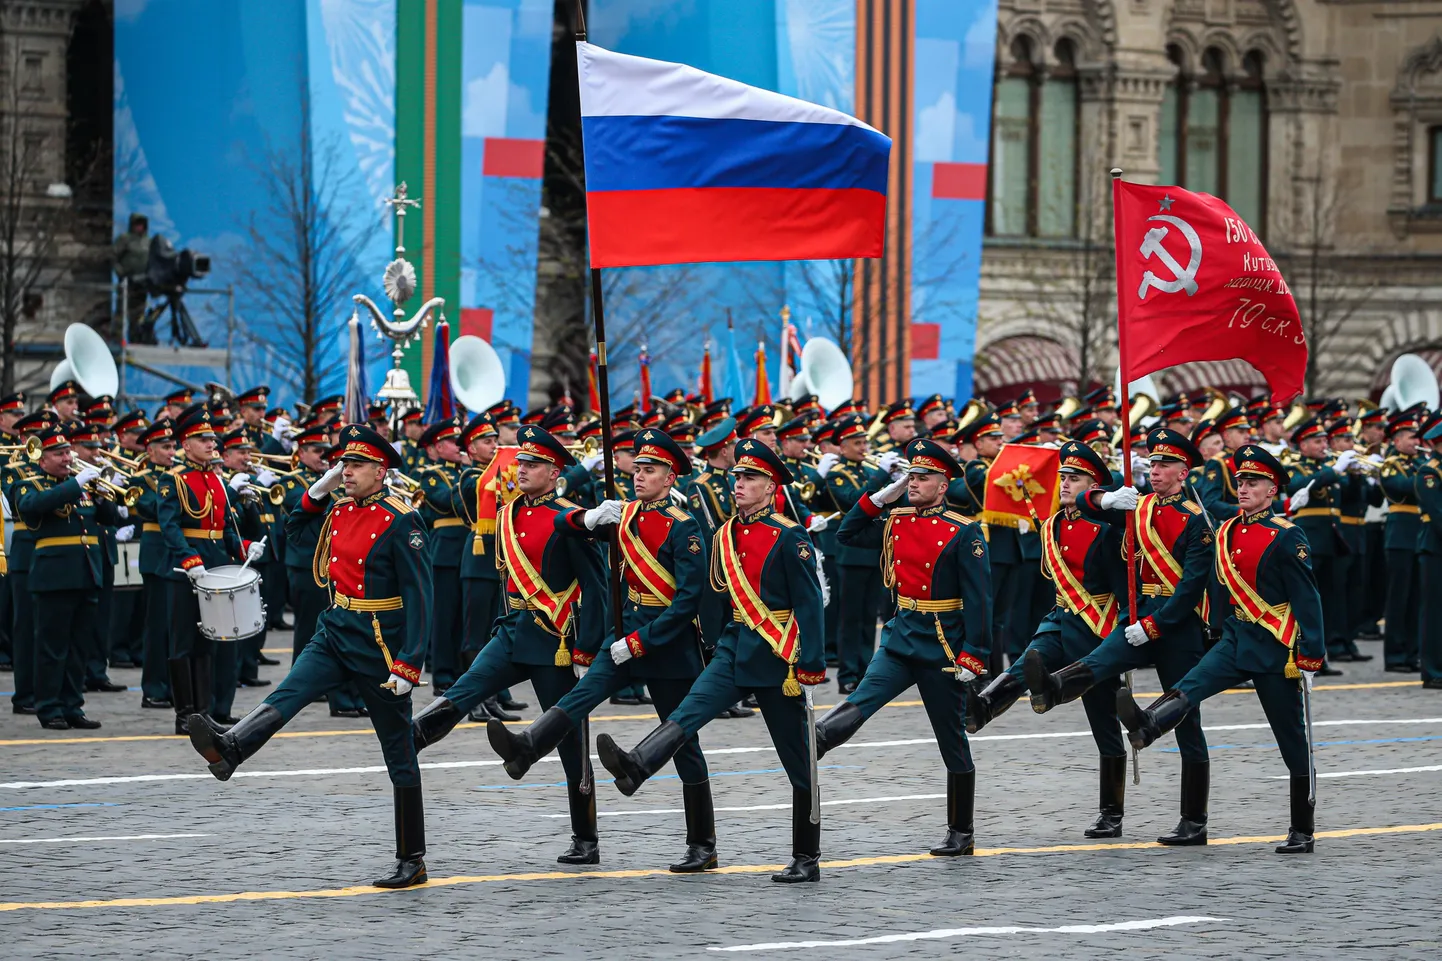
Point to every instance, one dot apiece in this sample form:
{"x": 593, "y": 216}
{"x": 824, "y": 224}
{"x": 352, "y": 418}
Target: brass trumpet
{"x": 32, "y": 448}
{"x": 410, "y": 488}
{"x": 275, "y": 493}
{"x": 103, "y": 487}
{"x": 132, "y": 465}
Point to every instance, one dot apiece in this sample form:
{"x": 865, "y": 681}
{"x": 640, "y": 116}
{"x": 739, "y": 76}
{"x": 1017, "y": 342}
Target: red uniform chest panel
{"x": 1074, "y": 540}
{"x": 1168, "y": 521}
{"x": 753, "y": 544}
{"x": 1248, "y": 543}
{"x": 916, "y": 546}
{"x": 204, "y": 484}
{"x": 653, "y": 527}
{"x": 354, "y": 531}
{"x": 533, "y": 527}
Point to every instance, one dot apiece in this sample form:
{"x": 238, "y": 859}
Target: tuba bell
{"x": 88, "y": 361}
{"x": 477, "y": 378}
{"x": 825, "y": 372}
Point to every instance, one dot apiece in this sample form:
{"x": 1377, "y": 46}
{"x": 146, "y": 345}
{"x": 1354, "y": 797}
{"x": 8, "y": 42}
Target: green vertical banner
{"x": 428, "y": 156}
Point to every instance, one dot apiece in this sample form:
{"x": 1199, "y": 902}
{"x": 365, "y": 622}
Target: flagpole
{"x": 603, "y": 389}
{"x": 1130, "y": 537}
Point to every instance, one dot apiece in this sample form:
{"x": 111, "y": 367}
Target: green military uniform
{"x": 1355, "y": 494}
{"x": 1218, "y": 488}
{"x": 154, "y": 566}
{"x": 1275, "y": 629}
{"x": 413, "y": 459}
{"x": 449, "y": 537}
{"x": 372, "y": 555}
{"x": 1400, "y": 539}
{"x": 1428, "y": 487}
{"x": 935, "y": 560}
{"x": 774, "y": 644}
{"x": 709, "y": 497}
{"x": 67, "y": 571}
{"x": 821, "y": 503}
{"x": 17, "y": 583}
{"x": 1318, "y": 521}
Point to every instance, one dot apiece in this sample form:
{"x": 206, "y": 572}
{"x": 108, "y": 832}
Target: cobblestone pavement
{"x": 117, "y": 843}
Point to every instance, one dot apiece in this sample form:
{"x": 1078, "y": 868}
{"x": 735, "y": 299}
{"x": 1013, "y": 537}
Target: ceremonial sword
{"x": 1311, "y": 749}
{"x": 811, "y": 754}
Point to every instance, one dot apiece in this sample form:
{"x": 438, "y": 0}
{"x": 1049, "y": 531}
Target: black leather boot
{"x": 226, "y": 748}
{"x": 410, "y": 840}
{"x": 434, "y": 722}
{"x": 837, "y": 726}
{"x": 1048, "y": 690}
{"x": 201, "y": 687}
{"x": 805, "y": 843}
{"x": 491, "y": 708}
{"x": 1196, "y": 785}
{"x": 960, "y": 813}
{"x": 584, "y": 848}
{"x": 632, "y": 768}
{"x": 522, "y": 750}
{"x": 989, "y": 703}
{"x": 182, "y": 696}
{"x": 1113, "y": 779}
{"x": 1300, "y": 839}
{"x": 700, "y": 830}
{"x": 1145, "y": 725}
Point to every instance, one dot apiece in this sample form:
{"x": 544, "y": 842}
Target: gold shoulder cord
{"x": 319, "y": 565}
{"x": 718, "y": 570}
{"x": 888, "y": 572}
{"x": 197, "y": 514}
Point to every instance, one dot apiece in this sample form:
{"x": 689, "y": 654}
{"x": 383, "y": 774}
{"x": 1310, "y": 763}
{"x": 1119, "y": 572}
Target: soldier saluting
{"x": 934, "y": 558}
{"x": 766, "y": 564}
{"x": 1274, "y": 636}
{"x": 371, "y": 555}
{"x": 664, "y": 563}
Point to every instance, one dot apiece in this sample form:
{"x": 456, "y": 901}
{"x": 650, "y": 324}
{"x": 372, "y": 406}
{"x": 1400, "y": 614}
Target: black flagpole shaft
{"x": 603, "y": 391}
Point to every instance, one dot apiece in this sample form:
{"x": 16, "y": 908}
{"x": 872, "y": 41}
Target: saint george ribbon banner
{"x": 1195, "y": 283}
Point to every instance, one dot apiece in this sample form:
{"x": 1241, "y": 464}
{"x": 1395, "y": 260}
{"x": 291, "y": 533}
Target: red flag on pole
{"x": 1195, "y": 283}
{"x": 763, "y": 382}
{"x": 645, "y": 380}
{"x": 705, "y": 386}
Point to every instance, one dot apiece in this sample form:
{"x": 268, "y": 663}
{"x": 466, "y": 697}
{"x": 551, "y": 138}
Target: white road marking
{"x": 940, "y": 933}
{"x": 1378, "y": 773}
{"x": 710, "y": 752}
{"x": 112, "y": 837}
{"x": 766, "y": 807}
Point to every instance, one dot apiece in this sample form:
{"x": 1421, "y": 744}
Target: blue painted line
{"x": 667, "y": 777}
{"x": 57, "y": 807}
{"x": 1379, "y": 740}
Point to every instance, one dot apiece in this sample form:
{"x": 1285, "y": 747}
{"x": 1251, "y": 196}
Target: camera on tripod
{"x": 167, "y": 275}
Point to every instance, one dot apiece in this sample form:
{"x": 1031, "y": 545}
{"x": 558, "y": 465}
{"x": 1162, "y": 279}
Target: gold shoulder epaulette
{"x": 958, "y": 517}
{"x": 1282, "y": 522}
{"x": 902, "y": 511}
{"x": 399, "y": 504}
{"x": 1192, "y": 506}
{"x": 783, "y": 520}
{"x": 343, "y": 500}
{"x": 567, "y": 503}
{"x": 678, "y": 513}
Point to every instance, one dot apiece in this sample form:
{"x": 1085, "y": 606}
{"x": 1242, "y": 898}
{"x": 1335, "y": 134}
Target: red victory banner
{"x": 496, "y": 488}
{"x": 1022, "y": 484}
{"x": 1195, "y": 283}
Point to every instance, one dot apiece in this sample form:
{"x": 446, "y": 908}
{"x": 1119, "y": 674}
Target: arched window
{"x": 1034, "y": 144}
{"x": 1214, "y": 132}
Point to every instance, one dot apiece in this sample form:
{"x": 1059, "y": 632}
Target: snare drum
{"x": 231, "y": 607}
{"x": 127, "y": 568}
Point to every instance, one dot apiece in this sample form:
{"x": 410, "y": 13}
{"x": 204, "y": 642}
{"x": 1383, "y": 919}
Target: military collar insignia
{"x": 542, "y": 499}
{"x": 659, "y": 504}
{"x": 1171, "y": 498}
{"x": 931, "y": 511}
{"x": 755, "y": 515}
{"x": 375, "y": 498}
{"x": 1073, "y": 513}
{"x": 1256, "y": 516}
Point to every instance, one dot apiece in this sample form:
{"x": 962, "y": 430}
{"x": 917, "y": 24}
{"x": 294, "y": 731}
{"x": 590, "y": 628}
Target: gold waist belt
{"x": 782, "y": 615}
{"x": 1352, "y": 520}
{"x": 917, "y": 604}
{"x": 1318, "y": 512}
{"x": 152, "y": 528}
{"x": 1157, "y": 590}
{"x": 646, "y": 600}
{"x": 1404, "y": 508}
{"x": 349, "y": 603}
{"x": 19, "y": 526}
{"x": 205, "y": 535}
{"x": 76, "y": 540}
{"x": 447, "y": 522}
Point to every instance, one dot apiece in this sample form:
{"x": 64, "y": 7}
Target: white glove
{"x": 123, "y": 511}
{"x": 400, "y": 685}
{"x": 1309, "y": 676}
{"x": 255, "y": 551}
{"x": 1345, "y": 460}
{"x": 827, "y": 461}
{"x": 1140, "y": 465}
{"x": 238, "y": 482}
{"x": 1300, "y": 499}
{"x": 195, "y": 573}
{"x": 278, "y": 429}
{"x": 591, "y": 460}
{"x": 1121, "y": 499}
{"x": 818, "y": 523}
{"x": 620, "y": 652}
{"x": 889, "y": 460}
{"x": 1136, "y": 635}
{"x": 86, "y": 475}
{"x": 328, "y": 482}
{"x": 1023, "y": 525}
{"x": 890, "y": 492}
{"x": 265, "y": 478}
{"x": 124, "y": 534}
{"x": 607, "y": 512}
{"x": 963, "y": 675}
{"x": 579, "y": 670}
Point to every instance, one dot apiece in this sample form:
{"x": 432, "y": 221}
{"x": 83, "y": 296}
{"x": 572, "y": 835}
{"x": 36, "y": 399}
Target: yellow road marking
{"x": 27, "y": 741}
{"x": 364, "y": 889}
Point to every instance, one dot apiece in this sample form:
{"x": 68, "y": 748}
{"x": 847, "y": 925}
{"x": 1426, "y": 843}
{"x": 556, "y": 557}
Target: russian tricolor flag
{"x": 684, "y": 166}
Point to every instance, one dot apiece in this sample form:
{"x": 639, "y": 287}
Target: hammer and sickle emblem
{"x": 1182, "y": 278}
